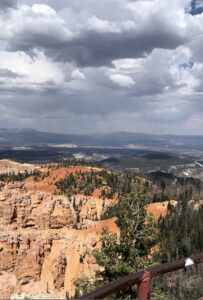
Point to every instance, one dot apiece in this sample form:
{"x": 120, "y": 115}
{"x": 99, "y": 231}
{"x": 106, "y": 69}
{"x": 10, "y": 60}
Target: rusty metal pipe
{"x": 136, "y": 278}
{"x": 144, "y": 287}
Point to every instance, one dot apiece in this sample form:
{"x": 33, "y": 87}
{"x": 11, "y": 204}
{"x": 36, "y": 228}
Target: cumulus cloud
{"x": 26, "y": 72}
{"x": 95, "y": 42}
{"x": 117, "y": 64}
{"x": 36, "y": 27}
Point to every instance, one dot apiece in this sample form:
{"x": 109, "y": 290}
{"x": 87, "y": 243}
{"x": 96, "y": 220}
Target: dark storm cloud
{"x": 92, "y": 48}
{"x": 74, "y": 113}
{"x": 41, "y": 104}
{"x": 33, "y": 38}
{"x": 4, "y": 4}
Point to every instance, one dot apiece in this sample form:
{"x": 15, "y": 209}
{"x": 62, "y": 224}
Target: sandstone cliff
{"x": 47, "y": 239}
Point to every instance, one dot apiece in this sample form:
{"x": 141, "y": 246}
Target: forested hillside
{"x": 145, "y": 241}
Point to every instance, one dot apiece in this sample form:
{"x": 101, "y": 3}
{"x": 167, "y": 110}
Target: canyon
{"x": 47, "y": 239}
{"x": 43, "y": 247}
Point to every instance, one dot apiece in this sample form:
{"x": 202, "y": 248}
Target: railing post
{"x": 142, "y": 279}
{"x": 144, "y": 286}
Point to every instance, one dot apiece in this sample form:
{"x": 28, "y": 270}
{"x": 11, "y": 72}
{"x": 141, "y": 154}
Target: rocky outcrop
{"x": 59, "y": 270}
{"x": 159, "y": 209}
{"x": 23, "y": 209}
{"x": 47, "y": 240}
{"x": 9, "y": 166}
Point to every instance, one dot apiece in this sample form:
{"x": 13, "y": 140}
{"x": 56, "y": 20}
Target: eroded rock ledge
{"x": 43, "y": 237}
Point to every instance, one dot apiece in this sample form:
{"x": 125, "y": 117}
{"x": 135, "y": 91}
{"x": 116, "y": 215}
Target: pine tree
{"x": 128, "y": 252}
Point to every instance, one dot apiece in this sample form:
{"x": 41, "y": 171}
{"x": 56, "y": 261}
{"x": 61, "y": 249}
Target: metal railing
{"x": 142, "y": 279}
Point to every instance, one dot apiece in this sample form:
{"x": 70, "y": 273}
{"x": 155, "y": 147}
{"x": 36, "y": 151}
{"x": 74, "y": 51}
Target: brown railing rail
{"x": 142, "y": 279}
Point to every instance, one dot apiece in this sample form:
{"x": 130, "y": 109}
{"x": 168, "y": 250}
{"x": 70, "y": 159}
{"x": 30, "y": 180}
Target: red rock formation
{"x": 41, "y": 238}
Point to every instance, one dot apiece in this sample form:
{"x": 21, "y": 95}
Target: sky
{"x": 84, "y": 66}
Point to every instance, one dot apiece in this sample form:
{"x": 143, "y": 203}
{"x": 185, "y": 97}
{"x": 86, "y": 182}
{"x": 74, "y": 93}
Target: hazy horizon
{"x": 102, "y": 66}
{"x": 98, "y": 133}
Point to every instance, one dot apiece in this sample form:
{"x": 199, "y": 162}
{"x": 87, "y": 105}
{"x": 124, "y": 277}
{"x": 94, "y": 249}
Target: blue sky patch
{"x": 187, "y": 65}
{"x": 196, "y": 7}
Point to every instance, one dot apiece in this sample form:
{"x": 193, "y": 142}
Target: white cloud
{"x": 44, "y": 10}
{"x": 122, "y": 80}
{"x": 129, "y": 65}
{"x": 94, "y": 23}
{"x": 77, "y": 74}
{"x": 34, "y": 71}
{"x": 30, "y": 27}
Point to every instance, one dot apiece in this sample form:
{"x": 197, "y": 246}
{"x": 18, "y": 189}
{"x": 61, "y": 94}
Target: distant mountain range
{"x": 26, "y": 137}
